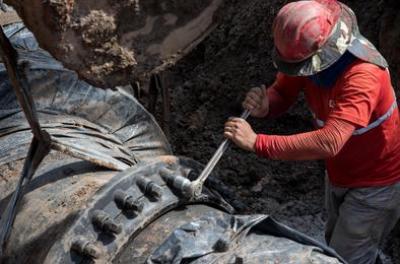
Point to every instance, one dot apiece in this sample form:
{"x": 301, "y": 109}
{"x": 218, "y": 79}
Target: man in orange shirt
{"x": 319, "y": 50}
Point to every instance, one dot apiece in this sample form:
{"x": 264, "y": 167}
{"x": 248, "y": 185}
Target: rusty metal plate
{"x": 110, "y": 42}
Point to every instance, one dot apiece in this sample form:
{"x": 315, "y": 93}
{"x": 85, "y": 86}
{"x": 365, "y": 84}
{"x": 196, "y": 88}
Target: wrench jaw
{"x": 178, "y": 181}
{"x": 197, "y": 190}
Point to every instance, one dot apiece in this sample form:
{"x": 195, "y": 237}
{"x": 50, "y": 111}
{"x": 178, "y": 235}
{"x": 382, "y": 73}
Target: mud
{"x": 8, "y": 173}
{"x": 95, "y": 28}
{"x": 208, "y": 87}
{"x": 112, "y": 42}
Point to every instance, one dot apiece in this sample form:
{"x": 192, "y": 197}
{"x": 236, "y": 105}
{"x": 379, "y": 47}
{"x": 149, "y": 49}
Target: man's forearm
{"x": 278, "y": 104}
{"x": 319, "y": 144}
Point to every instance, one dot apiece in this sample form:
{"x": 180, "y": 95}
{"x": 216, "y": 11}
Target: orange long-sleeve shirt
{"x": 360, "y": 96}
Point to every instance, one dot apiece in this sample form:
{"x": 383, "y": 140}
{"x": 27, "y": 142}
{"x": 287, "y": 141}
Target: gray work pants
{"x": 359, "y": 219}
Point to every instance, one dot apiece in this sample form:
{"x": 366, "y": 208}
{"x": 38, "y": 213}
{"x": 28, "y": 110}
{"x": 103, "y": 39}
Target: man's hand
{"x": 257, "y": 101}
{"x": 241, "y": 133}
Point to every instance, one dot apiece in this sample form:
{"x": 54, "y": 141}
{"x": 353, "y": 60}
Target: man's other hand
{"x": 257, "y": 102}
{"x": 241, "y": 133}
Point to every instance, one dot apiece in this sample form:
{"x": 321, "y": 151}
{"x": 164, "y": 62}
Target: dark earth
{"x": 208, "y": 86}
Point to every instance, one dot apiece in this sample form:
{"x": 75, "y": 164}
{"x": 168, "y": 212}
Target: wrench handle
{"x": 217, "y": 156}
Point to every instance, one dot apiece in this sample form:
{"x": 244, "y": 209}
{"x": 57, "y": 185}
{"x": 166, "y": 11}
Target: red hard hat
{"x": 301, "y": 28}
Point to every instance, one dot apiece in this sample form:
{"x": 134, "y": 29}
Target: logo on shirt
{"x": 331, "y": 103}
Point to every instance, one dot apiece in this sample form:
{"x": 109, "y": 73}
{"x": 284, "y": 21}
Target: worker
{"x": 320, "y": 51}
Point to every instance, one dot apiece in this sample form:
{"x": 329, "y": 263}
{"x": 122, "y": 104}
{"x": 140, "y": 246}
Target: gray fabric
{"x": 252, "y": 239}
{"x": 359, "y": 219}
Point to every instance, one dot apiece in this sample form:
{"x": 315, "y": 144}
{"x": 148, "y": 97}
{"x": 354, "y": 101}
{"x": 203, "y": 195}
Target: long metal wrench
{"x": 197, "y": 185}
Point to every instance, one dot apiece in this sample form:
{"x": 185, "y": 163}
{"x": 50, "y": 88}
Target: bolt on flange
{"x": 126, "y": 202}
{"x": 104, "y": 222}
{"x": 86, "y": 248}
{"x": 149, "y": 188}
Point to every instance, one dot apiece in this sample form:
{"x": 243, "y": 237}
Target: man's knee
{"x": 354, "y": 243}
{"x": 354, "y": 227}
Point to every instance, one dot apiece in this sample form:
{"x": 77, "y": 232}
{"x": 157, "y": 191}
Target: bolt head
{"x": 86, "y": 248}
{"x": 155, "y": 191}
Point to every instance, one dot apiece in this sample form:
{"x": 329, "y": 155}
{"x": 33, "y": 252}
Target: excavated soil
{"x": 208, "y": 86}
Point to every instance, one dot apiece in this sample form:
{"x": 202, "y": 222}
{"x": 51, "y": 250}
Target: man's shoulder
{"x": 363, "y": 67}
